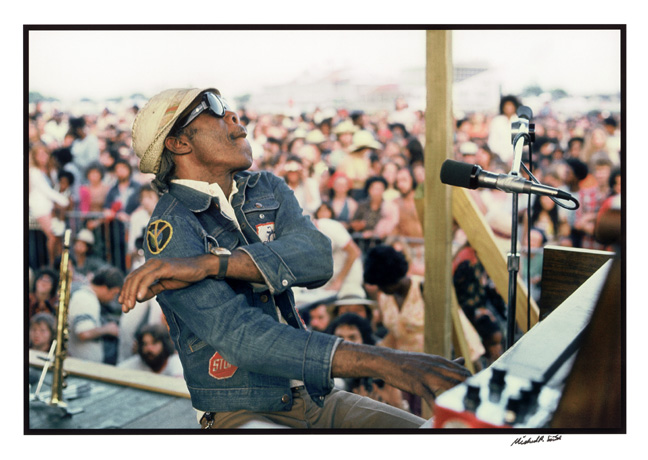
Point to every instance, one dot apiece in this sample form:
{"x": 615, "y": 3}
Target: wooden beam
{"x": 437, "y": 218}
{"x": 173, "y": 386}
{"x": 483, "y": 240}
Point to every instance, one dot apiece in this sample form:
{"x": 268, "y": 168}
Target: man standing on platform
{"x": 224, "y": 247}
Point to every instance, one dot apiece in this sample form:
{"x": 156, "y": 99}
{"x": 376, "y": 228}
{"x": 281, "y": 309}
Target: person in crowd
{"x": 499, "y": 129}
{"x": 375, "y": 217}
{"x": 409, "y": 224}
{"x": 613, "y": 143}
{"x": 590, "y": 200}
{"x": 344, "y": 139}
{"x": 43, "y": 196}
{"x": 531, "y": 261}
{"x": 608, "y": 227}
{"x": 347, "y": 257}
{"x": 63, "y": 163}
{"x": 92, "y": 197}
{"x": 42, "y": 331}
{"x": 194, "y": 136}
{"x": 86, "y": 328}
{"x": 85, "y": 262}
{"x": 155, "y": 352}
{"x": 315, "y": 168}
{"x": 357, "y": 329}
{"x": 388, "y": 172}
{"x": 402, "y": 114}
{"x": 481, "y": 304}
{"x": 340, "y": 200}
{"x": 148, "y": 199}
{"x": 596, "y": 144}
{"x": 357, "y": 165}
{"x": 85, "y": 144}
{"x": 574, "y": 147}
{"x": 577, "y": 171}
{"x": 43, "y": 298}
{"x": 319, "y": 318}
{"x": 546, "y": 216}
{"x": 147, "y": 313}
{"x": 122, "y": 200}
{"x": 306, "y": 189}
{"x": 94, "y": 192}
{"x": 400, "y": 301}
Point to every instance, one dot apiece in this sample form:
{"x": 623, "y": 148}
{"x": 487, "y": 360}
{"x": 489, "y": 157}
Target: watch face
{"x": 220, "y": 251}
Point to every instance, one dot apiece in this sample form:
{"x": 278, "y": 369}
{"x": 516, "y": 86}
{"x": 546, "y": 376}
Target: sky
{"x": 72, "y": 64}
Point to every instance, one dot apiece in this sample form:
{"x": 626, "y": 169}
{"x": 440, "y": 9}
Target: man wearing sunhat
{"x": 224, "y": 247}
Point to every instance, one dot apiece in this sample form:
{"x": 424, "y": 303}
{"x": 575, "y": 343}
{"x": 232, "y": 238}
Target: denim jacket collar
{"x": 197, "y": 201}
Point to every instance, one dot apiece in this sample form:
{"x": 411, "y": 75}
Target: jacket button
{"x": 284, "y": 283}
{"x": 264, "y": 298}
{"x": 285, "y": 399}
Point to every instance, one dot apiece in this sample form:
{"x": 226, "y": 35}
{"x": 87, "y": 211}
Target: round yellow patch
{"x": 158, "y": 235}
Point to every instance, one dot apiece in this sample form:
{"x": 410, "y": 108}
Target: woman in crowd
{"x": 344, "y": 207}
{"x": 43, "y": 295}
{"x": 43, "y": 196}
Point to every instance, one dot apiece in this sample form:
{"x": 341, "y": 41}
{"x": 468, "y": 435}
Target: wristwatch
{"x": 223, "y": 257}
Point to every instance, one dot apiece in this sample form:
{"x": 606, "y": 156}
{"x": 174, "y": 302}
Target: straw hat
{"x": 154, "y": 122}
{"x": 315, "y": 137}
{"x": 346, "y": 126}
{"x": 364, "y": 139}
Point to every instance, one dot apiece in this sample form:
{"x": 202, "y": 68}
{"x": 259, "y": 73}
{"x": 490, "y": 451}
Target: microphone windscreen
{"x": 525, "y": 112}
{"x": 457, "y": 173}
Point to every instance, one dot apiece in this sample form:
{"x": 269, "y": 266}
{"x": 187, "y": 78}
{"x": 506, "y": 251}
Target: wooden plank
{"x": 599, "y": 366}
{"x": 563, "y": 271}
{"x": 174, "y": 415}
{"x": 437, "y": 219}
{"x": 482, "y": 239}
{"x": 173, "y": 386}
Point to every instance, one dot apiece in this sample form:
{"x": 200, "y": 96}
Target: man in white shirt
{"x": 86, "y": 330}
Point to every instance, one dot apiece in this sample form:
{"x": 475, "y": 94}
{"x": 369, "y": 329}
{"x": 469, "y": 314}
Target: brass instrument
{"x": 58, "y": 375}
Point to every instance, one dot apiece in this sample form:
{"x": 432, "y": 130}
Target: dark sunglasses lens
{"x": 216, "y": 104}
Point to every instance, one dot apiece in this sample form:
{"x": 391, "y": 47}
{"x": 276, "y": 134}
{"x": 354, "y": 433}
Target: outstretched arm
{"x": 417, "y": 373}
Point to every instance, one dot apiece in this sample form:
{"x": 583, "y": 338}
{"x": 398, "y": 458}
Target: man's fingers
{"x": 138, "y": 282}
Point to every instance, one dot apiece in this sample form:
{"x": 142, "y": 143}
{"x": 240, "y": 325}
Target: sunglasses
{"x": 211, "y": 102}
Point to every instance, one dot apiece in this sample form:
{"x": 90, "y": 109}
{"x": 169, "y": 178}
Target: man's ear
{"x": 177, "y": 145}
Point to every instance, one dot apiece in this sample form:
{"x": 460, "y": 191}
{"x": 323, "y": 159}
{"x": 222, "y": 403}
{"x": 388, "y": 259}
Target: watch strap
{"x": 223, "y": 260}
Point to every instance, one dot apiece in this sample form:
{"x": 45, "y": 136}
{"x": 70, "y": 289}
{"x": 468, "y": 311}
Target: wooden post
{"x": 437, "y": 218}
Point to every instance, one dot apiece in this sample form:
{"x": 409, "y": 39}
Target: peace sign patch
{"x": 158, "y": 235}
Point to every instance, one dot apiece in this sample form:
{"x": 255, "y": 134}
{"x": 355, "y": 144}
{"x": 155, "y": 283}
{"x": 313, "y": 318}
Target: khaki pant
{"x": 341, "y": 410}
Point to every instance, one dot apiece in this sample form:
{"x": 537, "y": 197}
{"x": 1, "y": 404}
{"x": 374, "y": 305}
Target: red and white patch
{"x": 219, "y": 368}
{"x": 266, "y": 231}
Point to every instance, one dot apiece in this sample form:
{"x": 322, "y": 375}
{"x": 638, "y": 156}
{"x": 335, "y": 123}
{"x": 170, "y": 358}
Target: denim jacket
{"x": 234, "y": 351}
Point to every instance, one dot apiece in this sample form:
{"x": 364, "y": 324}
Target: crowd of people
{"x": 358, "y": 175}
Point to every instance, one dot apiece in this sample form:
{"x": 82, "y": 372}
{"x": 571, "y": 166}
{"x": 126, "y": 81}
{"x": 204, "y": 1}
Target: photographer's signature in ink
{"x": 523, "y": 440}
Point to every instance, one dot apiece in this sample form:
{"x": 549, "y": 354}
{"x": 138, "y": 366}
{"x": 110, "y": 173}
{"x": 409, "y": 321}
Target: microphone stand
{"x": 522, "y": 134}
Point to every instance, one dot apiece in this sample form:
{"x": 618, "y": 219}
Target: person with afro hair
{"x": 400, "y": 302}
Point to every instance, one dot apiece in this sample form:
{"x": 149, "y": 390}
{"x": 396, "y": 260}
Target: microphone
{"x": 524, "y": 112}
{"x": 473, "y": 176}
{"x": 522, "y": 133}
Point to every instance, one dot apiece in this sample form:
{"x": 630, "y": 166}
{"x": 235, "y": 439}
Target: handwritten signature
{"x": 524, "y": 440}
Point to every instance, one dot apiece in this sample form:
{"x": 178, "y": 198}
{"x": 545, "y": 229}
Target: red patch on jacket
{"x": 219, "y": 368}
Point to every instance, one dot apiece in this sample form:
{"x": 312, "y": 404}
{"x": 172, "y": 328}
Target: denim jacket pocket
{"x": 260, "y": 215}
{"x": 195, "y": 343}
